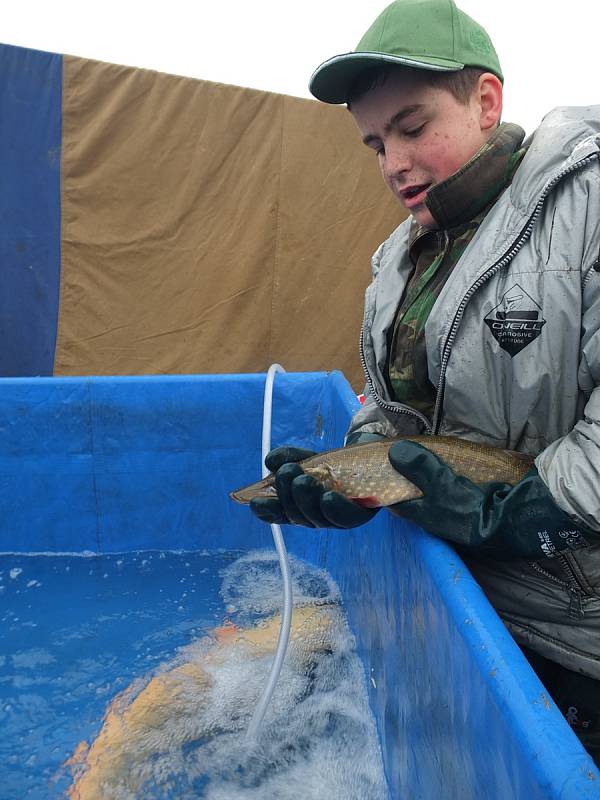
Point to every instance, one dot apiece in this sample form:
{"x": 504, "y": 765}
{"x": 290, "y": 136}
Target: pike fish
{"x": 363, "y": 473}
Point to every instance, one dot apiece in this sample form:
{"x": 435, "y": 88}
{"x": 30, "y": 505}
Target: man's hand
{"x": 510, "y": 522}
{"x": 302, "y": 500}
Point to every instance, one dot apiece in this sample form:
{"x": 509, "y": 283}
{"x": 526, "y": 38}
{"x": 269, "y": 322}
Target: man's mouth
{"x": 413, "y": 195}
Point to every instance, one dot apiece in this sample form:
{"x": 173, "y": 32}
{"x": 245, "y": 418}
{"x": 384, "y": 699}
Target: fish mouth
{"x": 256, "y": 490}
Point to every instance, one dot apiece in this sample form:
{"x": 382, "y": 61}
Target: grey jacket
{"x": 513, "y": 346}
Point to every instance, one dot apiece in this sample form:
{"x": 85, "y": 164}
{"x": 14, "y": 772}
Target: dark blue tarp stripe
{"x": 30, "y": 148}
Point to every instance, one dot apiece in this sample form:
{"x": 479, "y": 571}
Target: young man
{"x": 482, "y": 322}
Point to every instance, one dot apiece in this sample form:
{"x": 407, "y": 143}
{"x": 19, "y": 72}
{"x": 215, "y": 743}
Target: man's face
{"x": 421, "y": 136}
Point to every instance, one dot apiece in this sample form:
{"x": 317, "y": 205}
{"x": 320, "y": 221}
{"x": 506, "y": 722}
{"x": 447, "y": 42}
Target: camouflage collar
{"x": 468, "y": 191}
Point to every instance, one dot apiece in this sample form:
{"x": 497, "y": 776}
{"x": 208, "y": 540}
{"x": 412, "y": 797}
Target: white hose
{"x": 286, "y": 616}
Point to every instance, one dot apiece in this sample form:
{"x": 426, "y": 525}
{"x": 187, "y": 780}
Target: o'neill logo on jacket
{"x": 516, "y": 321}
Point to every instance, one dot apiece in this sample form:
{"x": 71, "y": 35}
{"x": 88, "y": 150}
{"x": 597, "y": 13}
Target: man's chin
{"x": 422, "y": 216}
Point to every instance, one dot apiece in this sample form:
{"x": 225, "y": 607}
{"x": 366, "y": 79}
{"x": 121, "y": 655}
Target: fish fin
{"x": 367, "y": 502}
{"x": 78, "y": 756}
{"x": 226, "y": 631}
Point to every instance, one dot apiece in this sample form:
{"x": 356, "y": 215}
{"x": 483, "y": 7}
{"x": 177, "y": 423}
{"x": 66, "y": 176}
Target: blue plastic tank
{"x": 117, "y": 464}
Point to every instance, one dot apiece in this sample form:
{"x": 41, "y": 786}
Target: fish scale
{"x": 362, "y": 472}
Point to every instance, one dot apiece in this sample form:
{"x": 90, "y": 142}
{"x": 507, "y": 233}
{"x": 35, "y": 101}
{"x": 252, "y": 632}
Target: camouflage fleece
{"x": 458, "y": 205}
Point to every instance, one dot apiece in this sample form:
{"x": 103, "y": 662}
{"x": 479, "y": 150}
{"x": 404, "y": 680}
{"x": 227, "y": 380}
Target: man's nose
{"x": 397, "y": 161}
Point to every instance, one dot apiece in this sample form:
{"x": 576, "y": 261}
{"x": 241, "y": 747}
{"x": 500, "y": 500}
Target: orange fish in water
{"x": 363, "y": 473}
{"x": 141, "y": 722}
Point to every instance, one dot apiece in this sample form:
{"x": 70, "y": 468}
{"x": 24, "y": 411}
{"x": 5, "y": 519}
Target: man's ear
{"x": 489, "y": 98}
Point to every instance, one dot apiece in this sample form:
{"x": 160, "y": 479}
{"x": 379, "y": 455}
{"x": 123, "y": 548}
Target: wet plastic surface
{"x": 136, "y": 463}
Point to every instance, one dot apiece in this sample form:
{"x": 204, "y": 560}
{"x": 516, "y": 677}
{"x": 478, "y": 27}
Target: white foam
{"x": 32, "y": 658}
{"x": 252, "y": 584}
{"x": 318, "y": 739}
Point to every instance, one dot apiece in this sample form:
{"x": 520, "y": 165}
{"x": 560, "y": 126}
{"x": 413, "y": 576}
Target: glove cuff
{"x": 530, "y": 524}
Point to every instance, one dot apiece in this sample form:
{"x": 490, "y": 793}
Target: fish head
{"x": 264, "y": 488}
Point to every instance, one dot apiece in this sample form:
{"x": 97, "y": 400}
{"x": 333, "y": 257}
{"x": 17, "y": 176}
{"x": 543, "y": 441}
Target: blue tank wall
{"x": 113, "y": 464}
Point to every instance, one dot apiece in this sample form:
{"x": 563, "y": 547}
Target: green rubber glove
{"x": 301, "y": 499}
{"x": 504, "y": 521}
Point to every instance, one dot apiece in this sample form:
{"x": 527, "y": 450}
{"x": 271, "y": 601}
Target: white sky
{"x": 548, "y": 50}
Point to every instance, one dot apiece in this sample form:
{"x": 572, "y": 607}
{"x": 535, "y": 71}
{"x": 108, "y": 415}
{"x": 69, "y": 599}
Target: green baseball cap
{"x": 426, "y": 34}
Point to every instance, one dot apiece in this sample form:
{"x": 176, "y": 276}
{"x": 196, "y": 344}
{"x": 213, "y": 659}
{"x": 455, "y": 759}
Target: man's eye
{"x": 414, "y": 132}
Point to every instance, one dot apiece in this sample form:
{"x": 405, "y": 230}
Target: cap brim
{"x": 332, "y": 80}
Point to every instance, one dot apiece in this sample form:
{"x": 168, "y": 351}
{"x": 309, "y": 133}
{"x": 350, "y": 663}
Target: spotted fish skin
{"x": 362, "y": 472}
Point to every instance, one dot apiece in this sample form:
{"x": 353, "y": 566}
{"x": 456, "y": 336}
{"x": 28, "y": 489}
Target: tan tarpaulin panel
{"x": 210, "y": 228}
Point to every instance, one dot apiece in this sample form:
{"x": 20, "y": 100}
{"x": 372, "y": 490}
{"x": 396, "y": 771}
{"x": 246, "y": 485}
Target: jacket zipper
{"x": 394, "y": 408}
{"x": 572, "y": 585}
{"x": 508, "y": 256}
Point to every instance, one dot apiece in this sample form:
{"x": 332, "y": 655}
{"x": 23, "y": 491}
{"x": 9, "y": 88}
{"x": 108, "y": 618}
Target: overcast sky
{"x": 548, "y": 51}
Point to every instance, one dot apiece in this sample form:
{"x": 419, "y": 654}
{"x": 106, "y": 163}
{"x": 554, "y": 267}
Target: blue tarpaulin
{"x": 30, "y": 146}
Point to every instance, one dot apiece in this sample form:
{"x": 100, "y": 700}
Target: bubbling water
{"x": 318, "y": 738}
{"x": 252, "y": 585}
